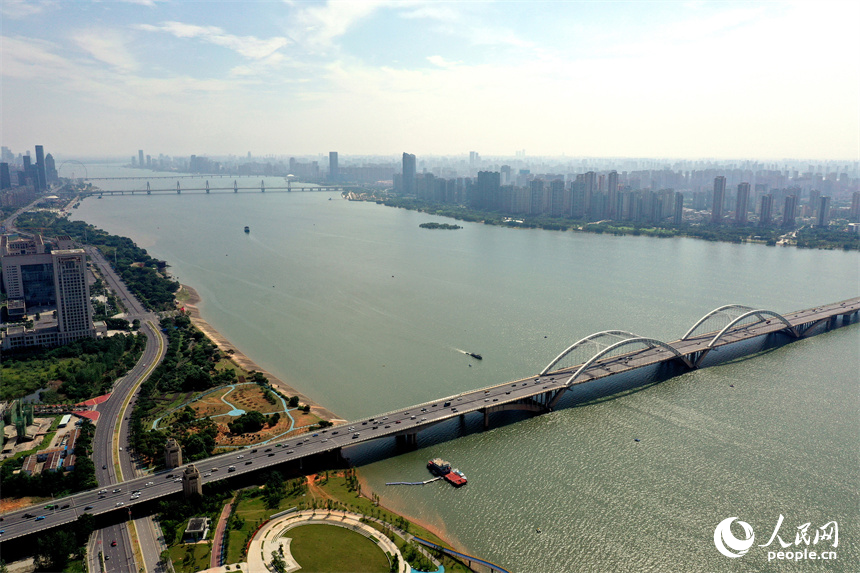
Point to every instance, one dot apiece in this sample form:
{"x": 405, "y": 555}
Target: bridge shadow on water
{"x": 579, "y": 396}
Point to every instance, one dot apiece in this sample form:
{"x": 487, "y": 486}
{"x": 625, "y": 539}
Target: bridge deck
{"x": 510, "y": 395}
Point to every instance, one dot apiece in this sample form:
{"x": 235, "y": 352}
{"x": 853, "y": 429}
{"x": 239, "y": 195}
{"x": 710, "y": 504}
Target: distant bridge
{"x": 591, "y": 358}
{"x": 148, "y": 190}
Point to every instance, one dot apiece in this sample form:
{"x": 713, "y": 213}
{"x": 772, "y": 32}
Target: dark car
{"x": 248, "y": 463}
{"x": 87, "y": 508}
{"x": 65, "y": 506}
{"x": 104, "y": 467}
{"x": 28, "y": 515}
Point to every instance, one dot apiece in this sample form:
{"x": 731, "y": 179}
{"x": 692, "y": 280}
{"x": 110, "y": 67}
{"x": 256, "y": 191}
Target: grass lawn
{"x": 190, "y": 558}
{"x": 344, "y": 550}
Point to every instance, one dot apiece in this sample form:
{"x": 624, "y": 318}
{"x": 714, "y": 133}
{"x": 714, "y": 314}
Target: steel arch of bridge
{"x": 650, "y": 342}
{"x": 583, "y": 341}
{"x": 746, "y": 311}
{"x": 630, "y": 339}
{"x": 760, "y": 313}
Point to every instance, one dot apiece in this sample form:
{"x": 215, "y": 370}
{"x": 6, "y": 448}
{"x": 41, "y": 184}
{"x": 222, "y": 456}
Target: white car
{"x": 240, "y": 456}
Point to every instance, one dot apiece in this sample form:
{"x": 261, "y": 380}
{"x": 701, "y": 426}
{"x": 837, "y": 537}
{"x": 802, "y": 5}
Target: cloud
{"x": 106, "y": 46}
{"x": 248, "y": 46}
{"x": 442, "y": 62}
{"x": 19, "y": 9}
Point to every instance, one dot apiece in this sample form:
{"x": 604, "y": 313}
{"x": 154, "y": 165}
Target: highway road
{"x": 400, "y": 422}
{"x": 111, "y": 456}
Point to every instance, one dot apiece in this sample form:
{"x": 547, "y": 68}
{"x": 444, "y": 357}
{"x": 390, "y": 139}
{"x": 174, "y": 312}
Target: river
{"x": 363, "y": 311}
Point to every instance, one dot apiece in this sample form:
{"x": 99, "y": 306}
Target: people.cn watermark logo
{"x": 733, "y": 547}
{"x": 727, "y": 543}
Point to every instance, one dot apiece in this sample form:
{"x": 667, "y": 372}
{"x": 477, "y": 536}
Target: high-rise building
{"x": 74, "y": 314}
{"x": 765, "y": 217}
{"x": 5, "y": 176}
{"x": 612, "y": 193}
{"x": 408, "y": 174}
{"x": 333, "y": 174}
{"x": 719, "y": 197}
{"x": 741, "y": 203}
{"x": 35, "y": 277}
{"x": 140, "y": 162}
{"x": 678, "y": 215}
{"x": 41, "y": 173}
{"x": 855, "y": 207}
{"x": 537, "y": 203}
{"x": 823, "y": 211}
{"x": 28, "y": 167}
{"x": 789, "y": 212}
{"x": 485, "y": 192}
{"x": 51, "y": 169}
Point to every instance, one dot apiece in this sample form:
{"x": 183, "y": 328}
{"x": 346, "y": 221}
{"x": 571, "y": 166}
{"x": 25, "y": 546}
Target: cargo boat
{"x": 476, "y": 356}
{"x": 440, "y": 467}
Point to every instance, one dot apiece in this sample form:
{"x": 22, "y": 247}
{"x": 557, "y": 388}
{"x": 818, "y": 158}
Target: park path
{"x": 215, "y": 559}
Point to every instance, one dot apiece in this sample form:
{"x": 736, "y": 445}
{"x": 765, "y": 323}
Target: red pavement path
{"x": 96, "y": 400}
{"x": 215, "y": 559}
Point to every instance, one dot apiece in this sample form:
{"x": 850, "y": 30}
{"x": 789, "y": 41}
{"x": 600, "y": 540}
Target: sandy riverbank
{"x": 440, "y": 532}
{"x": 191, "y": 306}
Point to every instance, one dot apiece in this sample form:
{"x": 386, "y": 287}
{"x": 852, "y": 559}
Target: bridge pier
{"x": 407, "y": 440}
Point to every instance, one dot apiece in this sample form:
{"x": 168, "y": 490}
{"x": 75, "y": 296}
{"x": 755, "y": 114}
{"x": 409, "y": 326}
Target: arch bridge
{"x": 591, "y": 358}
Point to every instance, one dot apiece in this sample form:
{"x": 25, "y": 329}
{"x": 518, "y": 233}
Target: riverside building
{"x": 43, "y": 281}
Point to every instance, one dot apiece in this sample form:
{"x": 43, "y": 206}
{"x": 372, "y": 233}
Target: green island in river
{"x": 446, "y": 226}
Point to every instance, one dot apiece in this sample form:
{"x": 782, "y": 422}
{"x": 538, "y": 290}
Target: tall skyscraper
{"x": 34, "y": 277}
{"x": 28, "y": 167}
{"x": 408, "y": 174}
{"x": 41, "y": 173}
{"x": 823, "y": 211}
{"x": 765, "y": 217}
{"x": 333, "y": 174}
{"x": 741, "y": 203}
{"x": 719, "y": 197}
{"x": 855, "y": 207}
{"x": 140, "y": 162}
{"x": 537, "y": 203}
{"x": 789, "y": 212}
{"x": 678, "y": 215}
{"x": 74, "y": 314}
{"x": 612, "y": 193}
{"x": 5, "y": 176}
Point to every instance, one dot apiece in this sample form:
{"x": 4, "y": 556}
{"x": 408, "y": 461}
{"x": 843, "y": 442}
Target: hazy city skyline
{"x": 695, "y": 79}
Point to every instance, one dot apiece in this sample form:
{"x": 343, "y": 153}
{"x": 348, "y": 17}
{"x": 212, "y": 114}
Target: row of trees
{"x": 87, "y": 368}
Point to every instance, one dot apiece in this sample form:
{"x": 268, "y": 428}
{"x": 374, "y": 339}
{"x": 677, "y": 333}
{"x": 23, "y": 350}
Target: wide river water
{"x": 364, "y": 311}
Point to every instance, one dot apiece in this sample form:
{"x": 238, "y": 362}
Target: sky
{"x": 768, "y": 80}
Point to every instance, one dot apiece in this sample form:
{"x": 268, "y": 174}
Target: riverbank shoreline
{"x": 191, "y": 305}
